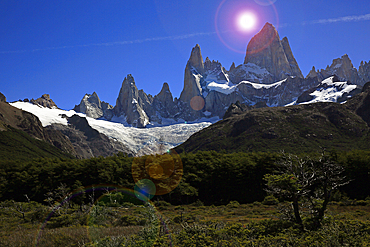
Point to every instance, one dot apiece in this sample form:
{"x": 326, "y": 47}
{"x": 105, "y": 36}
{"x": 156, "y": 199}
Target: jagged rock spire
{"x": 192, "y": 85}
{"x": 267, "y": 51}
{"x": 130, "y": 104}
{"x": 93, "y": 107}
{"x": 196, "y": 59}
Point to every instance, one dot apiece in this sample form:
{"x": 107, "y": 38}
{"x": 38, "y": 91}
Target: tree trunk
{"x": 297, "y": 216}
{"x": 321, "y": 211}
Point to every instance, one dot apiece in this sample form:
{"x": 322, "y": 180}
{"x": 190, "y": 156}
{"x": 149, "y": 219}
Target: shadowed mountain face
{"x": 361, "y": 104}
{"x": 21, "y": 133}
{"x": 300, "y": 128}
{"x": 87, "y": 141}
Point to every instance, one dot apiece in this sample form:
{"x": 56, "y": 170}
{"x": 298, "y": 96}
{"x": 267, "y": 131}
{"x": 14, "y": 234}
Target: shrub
{"x": 162, "y": 203}
{"x": 198, "y": 203}
{"x": 270, "y": 200}
{"x": 233, "y": 204}
{"x": 126, "y": 220}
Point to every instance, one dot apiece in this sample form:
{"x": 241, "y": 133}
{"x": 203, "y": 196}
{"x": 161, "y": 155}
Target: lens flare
{"x": 197, "y": 103}
{"x": 236, "y": 21}
{"x": 163, "y": 171}
{"x": 265, "y": 2}
{"x": 145, "y": 190}
{"x": 246, "y": 21}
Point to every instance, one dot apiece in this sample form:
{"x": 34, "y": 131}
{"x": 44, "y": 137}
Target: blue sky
{"x": 69, "y": 48}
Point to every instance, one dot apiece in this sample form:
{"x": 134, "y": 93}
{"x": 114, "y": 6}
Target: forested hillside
{"x": 208, "y": 176}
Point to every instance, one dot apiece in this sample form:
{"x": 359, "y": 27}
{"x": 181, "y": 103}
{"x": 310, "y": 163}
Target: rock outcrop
{"x": 2, "y": 98}
{"x": 129, "y": 103}
{"x": 44, "y": 101}
{"x": 295, "y": 70}
{"x": 344, "y": 70}
{"x": 164, "y": 104}
{"x": 193, "y": 75}
{"x": 236, "y": 109}
{"x": 94, "y": 108}
{"x": 266, "y": 50}
{"x": 364, "y": 71}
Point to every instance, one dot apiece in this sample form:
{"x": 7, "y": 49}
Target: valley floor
{"x": 28, "y": 224}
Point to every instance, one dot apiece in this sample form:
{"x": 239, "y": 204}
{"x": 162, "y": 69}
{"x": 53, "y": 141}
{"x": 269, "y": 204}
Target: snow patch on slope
{"x": 46, "y": 115}
{"x": 224, "y": 88}
{"x": 330, "y": 91}
{"x": 266, "y": 86}
{"x": 251, "y": 70}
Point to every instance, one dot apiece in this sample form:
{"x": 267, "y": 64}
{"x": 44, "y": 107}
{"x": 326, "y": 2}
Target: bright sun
{"x": 246, "y": 21}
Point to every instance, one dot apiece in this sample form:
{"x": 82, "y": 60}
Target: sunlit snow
{"x": 259, "y": 85}
{"x": 331, "y": 91}
{"x": 221, "y": 87}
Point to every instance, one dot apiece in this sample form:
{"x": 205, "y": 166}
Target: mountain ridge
{"x": 270, "y": 75}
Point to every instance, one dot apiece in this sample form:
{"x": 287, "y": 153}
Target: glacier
{"x": 140, "y": 141}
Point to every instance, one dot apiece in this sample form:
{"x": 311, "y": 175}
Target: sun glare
{"x": 246, "y": 21}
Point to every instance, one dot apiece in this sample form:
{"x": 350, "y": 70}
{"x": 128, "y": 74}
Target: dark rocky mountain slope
{"x": 299, "y": 128}
{"x": 87, "y": 141}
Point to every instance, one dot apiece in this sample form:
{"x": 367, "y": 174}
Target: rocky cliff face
{"x": 344, "y": 70}
{"x": 364, "y": 71}
{"x": 164, "y": 103}
{"x": 86, "y": 141}
{"x": 93, "y": 107}
{"x": 130, "y": 104}
{"x": 193, "y": 76}
{"x": 266, "y": 50}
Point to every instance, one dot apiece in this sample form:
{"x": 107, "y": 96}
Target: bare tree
{"x": 307, "y": 180}
{"x": 58, "y": 198}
